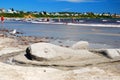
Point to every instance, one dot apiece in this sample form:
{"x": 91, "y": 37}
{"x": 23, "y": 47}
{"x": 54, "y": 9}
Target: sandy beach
{"x": 59, "y": 39}
{"x": 68, "y": 64}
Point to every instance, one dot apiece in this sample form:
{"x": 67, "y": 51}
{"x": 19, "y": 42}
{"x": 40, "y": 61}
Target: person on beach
{"x": 2, "y": 19}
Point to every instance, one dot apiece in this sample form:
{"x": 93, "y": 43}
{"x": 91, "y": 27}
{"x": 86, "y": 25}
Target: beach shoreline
{"x": 97, "y": 36}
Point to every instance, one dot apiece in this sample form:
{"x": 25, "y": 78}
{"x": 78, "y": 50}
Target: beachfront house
{"x": 2, "y": 10}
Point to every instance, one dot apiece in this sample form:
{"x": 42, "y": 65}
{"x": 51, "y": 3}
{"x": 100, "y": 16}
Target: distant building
{"x": 106, "y": 14}
{"x": 57, "y": 14}
{"x": 76, "y": 14}
{"x": 2, "y": 10}
{"x": 67, "y": 14}
{"x": 44, "y": 13}
{"x": 47, "y": 13}
{"x": 117, "y": 16}
{"x": 9, "y": 11}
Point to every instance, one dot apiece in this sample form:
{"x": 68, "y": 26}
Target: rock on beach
{"x": 48, "y": 51}
{"x": 112, "y": 53}
{"x": 80, "y": 45}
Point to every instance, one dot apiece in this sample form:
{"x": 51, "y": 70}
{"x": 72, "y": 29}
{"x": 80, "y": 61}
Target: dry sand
{"x": 12, "y": 72}
{"x": 97, "y": 67}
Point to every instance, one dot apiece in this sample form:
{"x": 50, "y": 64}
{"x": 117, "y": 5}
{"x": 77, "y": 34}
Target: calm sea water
{"x": 107, "y": 37}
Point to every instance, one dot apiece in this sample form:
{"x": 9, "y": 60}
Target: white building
{"x": 9, "y": 11}
{"x": 2, "y": 10}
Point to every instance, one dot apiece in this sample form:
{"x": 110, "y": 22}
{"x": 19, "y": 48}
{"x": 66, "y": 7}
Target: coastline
{"x": 79, "y": 22}
{"x": 70, "y": 32}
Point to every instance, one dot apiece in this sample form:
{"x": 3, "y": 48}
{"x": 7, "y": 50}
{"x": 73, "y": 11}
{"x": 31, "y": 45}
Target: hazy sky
{"x": 98, "y": 6}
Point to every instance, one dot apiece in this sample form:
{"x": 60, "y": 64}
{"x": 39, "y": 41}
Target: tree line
{"x": 21, "y": 14}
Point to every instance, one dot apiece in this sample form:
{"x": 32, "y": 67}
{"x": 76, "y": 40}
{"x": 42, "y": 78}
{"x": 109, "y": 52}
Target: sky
{"x": 96, "y": 6}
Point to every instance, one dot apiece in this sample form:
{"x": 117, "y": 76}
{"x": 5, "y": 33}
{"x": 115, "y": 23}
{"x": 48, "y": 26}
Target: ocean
{"x": 98, "y": 37}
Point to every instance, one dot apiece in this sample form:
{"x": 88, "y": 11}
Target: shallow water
{"x": 102, "y": 37}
